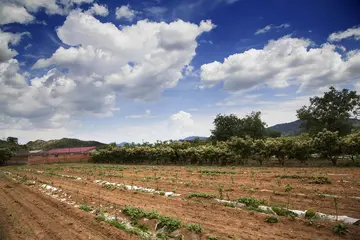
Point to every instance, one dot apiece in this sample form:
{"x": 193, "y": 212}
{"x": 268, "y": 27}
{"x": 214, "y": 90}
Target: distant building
{"x": 32, "y": 152}
{"x": 72, "y": 150}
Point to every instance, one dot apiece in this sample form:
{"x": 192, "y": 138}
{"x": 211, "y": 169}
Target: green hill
{"x": 61, "y": 143}
{"x": 293, "y": 128}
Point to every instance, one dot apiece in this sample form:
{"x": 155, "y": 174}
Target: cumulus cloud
{"x": 138, "y": 61}
{"x": 281, "y": 63}
{"x": 349, "y": 33}
{"x": 125, "y": 12}
{"x": 12, "y": 13}
{"x": 7, "y": 39}
{"x": 270, "y": 27}
{"x": 19, "y": 11}
{"x": 100, "y": 10}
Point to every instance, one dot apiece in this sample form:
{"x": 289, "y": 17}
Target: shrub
{"x": 340, "y": 229}
{"x": 194, "y": 228}
{"x": 251, "y": 201}
{"x": 272, "y": 219}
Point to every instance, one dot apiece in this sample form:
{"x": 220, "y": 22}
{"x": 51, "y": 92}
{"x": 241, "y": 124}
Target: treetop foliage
{"x": 331, "y": 111}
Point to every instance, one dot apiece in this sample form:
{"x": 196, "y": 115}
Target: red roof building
{"x": 72, "y": 150}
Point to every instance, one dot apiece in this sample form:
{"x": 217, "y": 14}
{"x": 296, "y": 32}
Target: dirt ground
{"x": 31, "y": 214}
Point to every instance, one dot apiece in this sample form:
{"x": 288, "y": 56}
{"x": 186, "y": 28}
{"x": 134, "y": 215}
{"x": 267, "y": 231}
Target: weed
{"x": 340, "y": 229}
{"x": 162, "y": 193}
{"x": 212, "y": 238}
{"x": 272, "y": 219}
{"x": 194, "y": 228}
{"x": 201, "y": 195}
{"x": 251, "y": 201}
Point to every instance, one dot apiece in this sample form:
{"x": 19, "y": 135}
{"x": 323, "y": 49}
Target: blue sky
{"x": 157, "y": 70}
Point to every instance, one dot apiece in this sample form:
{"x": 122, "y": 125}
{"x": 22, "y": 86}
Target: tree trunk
{"x": 334, "y": 161}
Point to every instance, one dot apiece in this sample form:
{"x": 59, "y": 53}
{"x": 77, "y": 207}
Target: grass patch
{"x": 201, "y": 195}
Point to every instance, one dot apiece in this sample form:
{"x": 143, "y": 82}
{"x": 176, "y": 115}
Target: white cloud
{"x": 98, "y": 9}
{"x": 12, "y": 13}
{"x": 271, "y": 26}
{"x": 349, "y": 33}
{"x": 7, "y": 39}
{"x": 281, "y": 63}
{"x": 125, "y": 12}
{"x": 19, "y": 11}
{"x": 138, "y": 61}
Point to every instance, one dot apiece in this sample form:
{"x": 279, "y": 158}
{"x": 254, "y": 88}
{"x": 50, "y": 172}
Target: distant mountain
{"x": 293, "y": 128}
{"x": 192, "y": 138}
{"x": 61, "y": 143}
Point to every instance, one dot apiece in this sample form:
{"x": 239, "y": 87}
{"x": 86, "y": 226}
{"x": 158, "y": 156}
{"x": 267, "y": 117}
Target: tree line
{"x": 326, "y": 128}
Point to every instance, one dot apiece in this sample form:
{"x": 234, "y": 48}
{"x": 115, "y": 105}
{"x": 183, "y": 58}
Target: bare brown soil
{"x": 216, "y": 219}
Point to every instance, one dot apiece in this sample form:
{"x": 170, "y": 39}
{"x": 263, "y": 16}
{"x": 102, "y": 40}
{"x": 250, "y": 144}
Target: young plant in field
{"x": 201, "y": 195}
{"x": 340, "y": 229}
{"x": 288, "y": 189}
{"x": 336, "y": 207}
{"x": 253, "y": 202}
{"x": 194, "y": 228}
{"x": 272, "y": 219}
{"x": 212, "y": 238}
{"x": 220, "y": 190}
{"x": 85, "y": 207}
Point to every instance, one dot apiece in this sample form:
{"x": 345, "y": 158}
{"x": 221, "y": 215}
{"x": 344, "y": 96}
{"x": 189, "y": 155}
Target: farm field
{"x": 101, "y": 201}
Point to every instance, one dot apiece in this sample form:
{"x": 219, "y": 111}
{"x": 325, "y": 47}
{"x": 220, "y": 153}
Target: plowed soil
{"x": 31, "y": 214}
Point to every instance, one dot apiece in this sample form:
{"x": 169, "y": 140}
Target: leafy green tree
{"x": 272, "y": 133}
{"x": 328, "y": 145}
{"x": 332, "y": 111}
{"x": 12, "y": 140}
{"x": 5, "y": 155}
{"x": 351, "y": 145}
{"x": 227, "y": 126}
